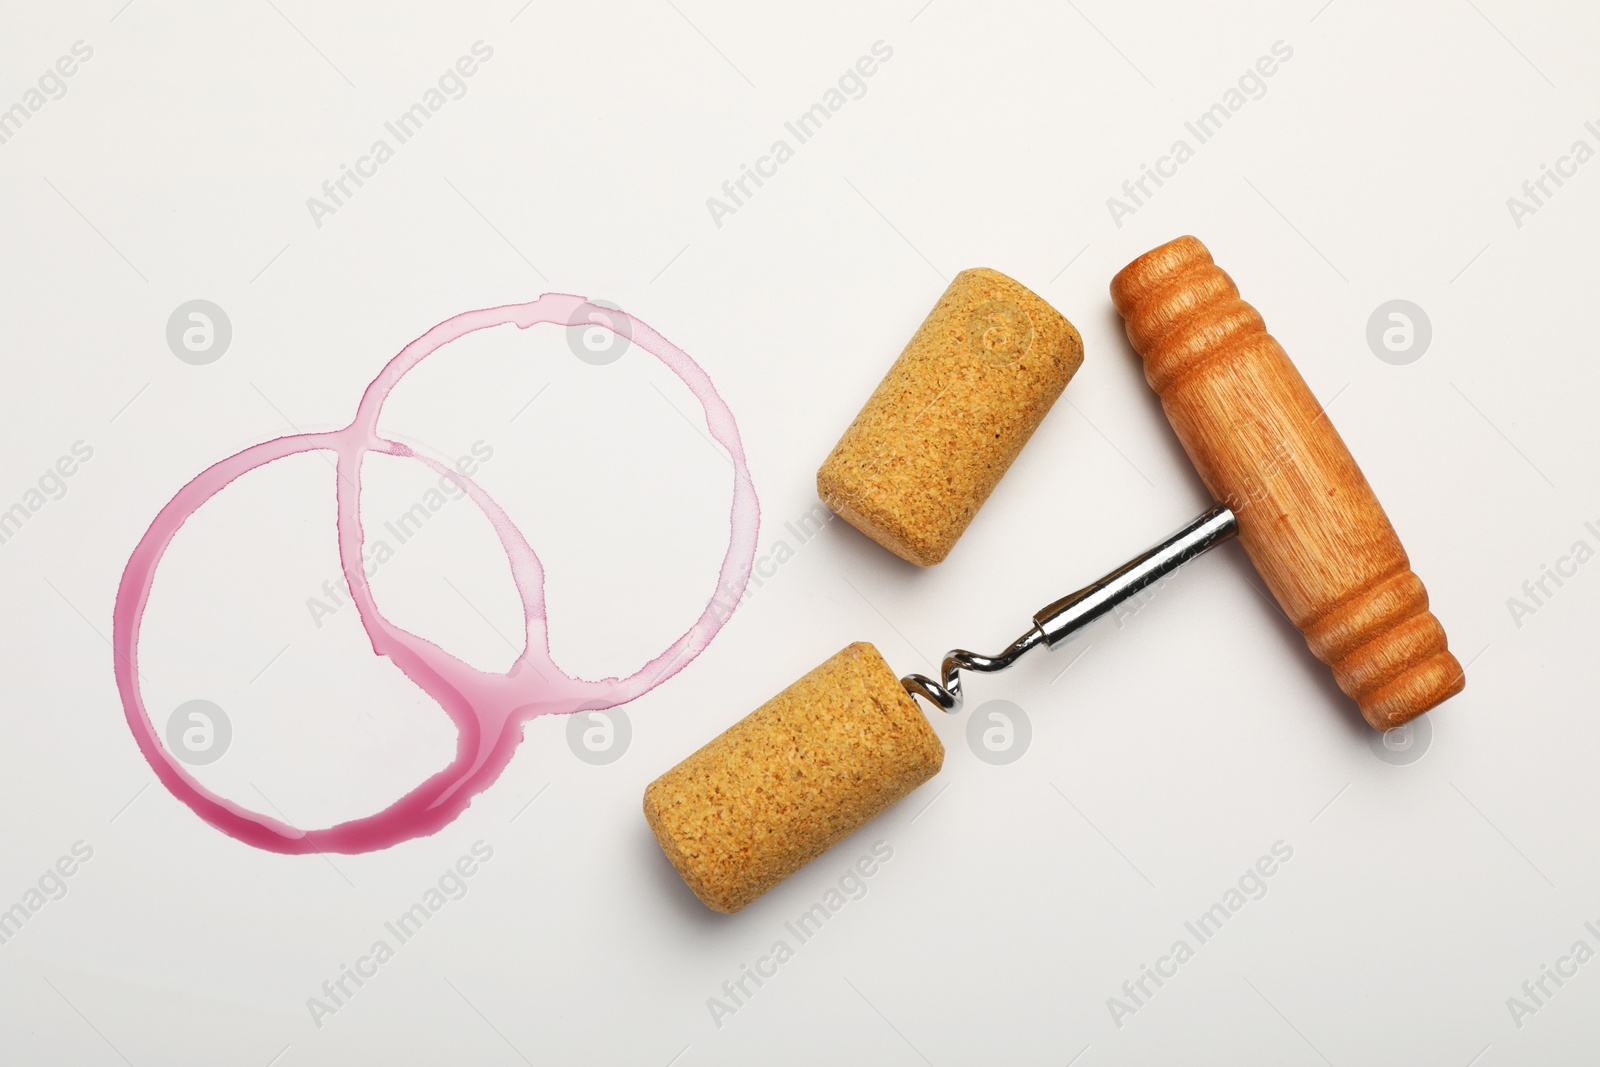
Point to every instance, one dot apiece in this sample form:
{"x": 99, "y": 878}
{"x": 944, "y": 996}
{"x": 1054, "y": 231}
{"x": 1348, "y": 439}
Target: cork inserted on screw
{"x": 949, "y": 418}
{"x": 792, "y": 779}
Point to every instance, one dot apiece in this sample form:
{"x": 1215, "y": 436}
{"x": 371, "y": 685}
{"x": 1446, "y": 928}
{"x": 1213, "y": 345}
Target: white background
{"x": 1177, "y": 750}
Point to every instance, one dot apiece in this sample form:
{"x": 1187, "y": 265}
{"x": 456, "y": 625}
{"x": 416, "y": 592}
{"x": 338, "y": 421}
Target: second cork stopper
{"x": 946, "y": 422}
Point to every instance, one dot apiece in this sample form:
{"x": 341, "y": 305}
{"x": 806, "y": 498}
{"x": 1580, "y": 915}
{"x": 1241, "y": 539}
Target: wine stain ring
{"x": 489, "y": 709}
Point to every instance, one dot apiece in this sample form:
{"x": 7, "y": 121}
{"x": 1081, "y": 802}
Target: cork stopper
{"x": 946, "y": 422}
{"x": 791, "y": 779}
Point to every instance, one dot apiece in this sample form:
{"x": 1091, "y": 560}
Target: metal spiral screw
{"x": 947, "y": 691}
{"x": 1063, "y": 619}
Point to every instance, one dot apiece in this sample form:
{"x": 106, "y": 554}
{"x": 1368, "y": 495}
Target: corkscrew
{"x": 1288, "y": 487}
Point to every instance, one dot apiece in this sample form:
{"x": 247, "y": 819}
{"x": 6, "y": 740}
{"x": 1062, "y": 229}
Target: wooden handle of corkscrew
{"x": 1307, "y": 516}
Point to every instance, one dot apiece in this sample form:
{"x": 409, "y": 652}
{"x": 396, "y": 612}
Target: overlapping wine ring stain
{"x": 488, "y": 709}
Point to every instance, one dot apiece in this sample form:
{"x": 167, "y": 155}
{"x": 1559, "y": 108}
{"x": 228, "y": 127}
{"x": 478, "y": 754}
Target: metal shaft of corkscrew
{"x": 1060, "y": 621}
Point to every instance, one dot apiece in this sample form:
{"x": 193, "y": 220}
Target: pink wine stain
{"x": 488, "y": 709}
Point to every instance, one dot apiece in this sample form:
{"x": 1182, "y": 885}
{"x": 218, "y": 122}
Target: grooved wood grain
{"x": 1307, "y": 516}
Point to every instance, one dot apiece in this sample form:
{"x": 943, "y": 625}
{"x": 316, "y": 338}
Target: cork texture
{"x": 946, "y": 422}
{"x": 791, "y": 779}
